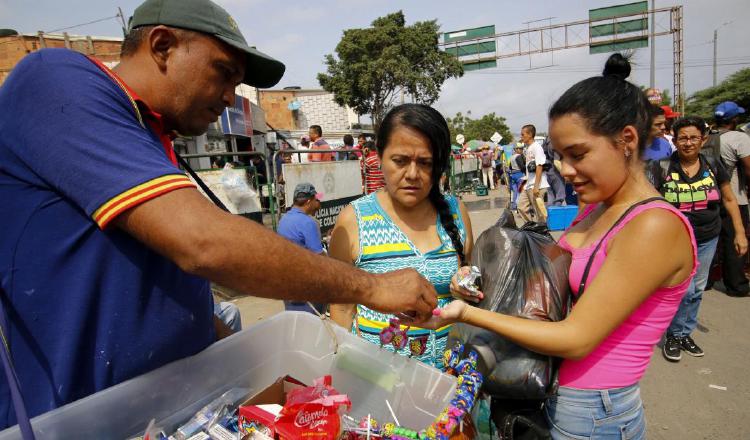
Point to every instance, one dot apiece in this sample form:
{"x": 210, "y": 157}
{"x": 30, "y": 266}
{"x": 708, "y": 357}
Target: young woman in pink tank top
{"x": 637, "y": 279}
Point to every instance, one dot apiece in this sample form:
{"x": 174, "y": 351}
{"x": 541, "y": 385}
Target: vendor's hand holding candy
{"x": 403, "y": 292}
{"x": 460, "y": 292}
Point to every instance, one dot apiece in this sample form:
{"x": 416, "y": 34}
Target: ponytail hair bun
{"x": 617, "y": 66}
{"x": 608, "y": 103}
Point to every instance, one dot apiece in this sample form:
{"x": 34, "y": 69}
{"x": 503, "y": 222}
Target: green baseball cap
{"x": 306, "y": 190}
{"x": 209, "y": 18}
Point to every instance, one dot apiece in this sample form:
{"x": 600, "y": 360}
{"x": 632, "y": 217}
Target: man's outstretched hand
{"x": 403, "y": 292}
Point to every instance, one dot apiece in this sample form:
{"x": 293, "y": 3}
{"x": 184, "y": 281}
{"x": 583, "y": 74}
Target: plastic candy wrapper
{"x": 524, "y": 273}
{"x": 313, "y": 412}
{"x": 236, "y": 188}
{"x": 220, "y": 409}
{"x": 152, "y": 432}
{"x": 482, "y": 419}
{"x": 367, "y": 428}
{"x": 469, "y": 281}
{"x": 257, "y": 418}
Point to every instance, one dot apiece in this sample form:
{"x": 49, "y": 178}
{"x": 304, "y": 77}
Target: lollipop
{"x": 388, "y": 429}
{"x": 452, "y": 357}
{"x": 467, "y": 364}
{"x": 386, "y": 335}
{"x": 417, "y": 346}
{"x": 374, "y": 428}
{"x": 399, "y": 340}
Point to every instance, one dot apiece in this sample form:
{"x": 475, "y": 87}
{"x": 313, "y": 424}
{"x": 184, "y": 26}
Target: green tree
{"x": 482, "y": 128}
{"x": 457, "y": 124}
{"x": 377, "y": 65}
{"x": 735, "y": 88}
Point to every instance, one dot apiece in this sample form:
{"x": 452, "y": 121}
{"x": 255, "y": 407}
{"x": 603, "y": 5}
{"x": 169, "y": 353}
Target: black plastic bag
{"x": 524, "y": 273}
{"x": 520, "y": 419}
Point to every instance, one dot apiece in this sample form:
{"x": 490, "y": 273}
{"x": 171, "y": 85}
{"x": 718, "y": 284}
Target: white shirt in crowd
{"x": 535, "y": 153}
{"x": 671, "y": 142}
{"x": 735, "y": 145}
{"x": 300, "y": 157}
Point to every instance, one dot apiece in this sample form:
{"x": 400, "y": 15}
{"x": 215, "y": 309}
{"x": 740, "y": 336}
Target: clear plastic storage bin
{"x": 294, "y": 343}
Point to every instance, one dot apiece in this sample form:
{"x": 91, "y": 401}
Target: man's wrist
{"x": 364, "y": 288}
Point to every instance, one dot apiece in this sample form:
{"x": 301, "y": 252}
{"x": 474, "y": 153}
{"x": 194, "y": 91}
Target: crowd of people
{"x": 105, "y": 261}
{"x": 364, "y": 151}
{"x": 635, "y": 203}
{"x": 532, "y": 169}
{"x": 699, "y": 186}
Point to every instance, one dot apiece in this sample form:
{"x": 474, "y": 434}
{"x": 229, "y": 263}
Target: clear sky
{"x": 300, "y": 33}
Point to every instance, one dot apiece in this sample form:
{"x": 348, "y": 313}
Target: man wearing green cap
{"x": 107, "y": 247}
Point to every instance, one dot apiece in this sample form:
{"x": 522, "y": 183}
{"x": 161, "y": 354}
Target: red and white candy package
{"x": 313, "y": 412}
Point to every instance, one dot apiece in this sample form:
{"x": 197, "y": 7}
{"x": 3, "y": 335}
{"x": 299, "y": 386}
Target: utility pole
{"x": 652, "y": 82}
{"x": 716, "y": 34}
{"x": 122, "y": 20}
{"x": 716, "y": 46}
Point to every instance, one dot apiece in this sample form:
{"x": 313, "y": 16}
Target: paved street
{"x": 697, "y": 398}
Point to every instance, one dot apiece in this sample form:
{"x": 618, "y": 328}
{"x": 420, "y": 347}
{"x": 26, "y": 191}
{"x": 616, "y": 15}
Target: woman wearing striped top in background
{"x": 371, "y": 169}
{"x": 408, "y": 224}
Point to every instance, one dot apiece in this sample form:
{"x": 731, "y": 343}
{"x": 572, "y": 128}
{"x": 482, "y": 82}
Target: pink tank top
{"x": 621, "y": 359}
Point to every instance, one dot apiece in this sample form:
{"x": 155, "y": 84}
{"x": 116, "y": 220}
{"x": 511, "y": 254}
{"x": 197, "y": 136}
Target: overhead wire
{"x": 79, "y": 25}
{"x": 99, "y": 20}
{"x": 552, "y": 70}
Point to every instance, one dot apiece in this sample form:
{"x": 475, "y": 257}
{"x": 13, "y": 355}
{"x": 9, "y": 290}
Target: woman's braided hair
{"x": 432, "y": 125}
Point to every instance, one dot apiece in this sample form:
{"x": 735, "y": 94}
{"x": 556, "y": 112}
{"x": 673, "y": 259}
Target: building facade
{"x": 295, "y": 110}
{"x": 14, "y": 47}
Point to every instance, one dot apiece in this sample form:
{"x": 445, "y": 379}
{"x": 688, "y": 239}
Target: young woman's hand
{"x": 740, "y": 244}
{"x": 461, "y": 293}
{"x": 448, "y": 315}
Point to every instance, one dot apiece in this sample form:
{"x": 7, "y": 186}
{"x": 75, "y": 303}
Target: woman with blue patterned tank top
{"x": 408, "y": 224}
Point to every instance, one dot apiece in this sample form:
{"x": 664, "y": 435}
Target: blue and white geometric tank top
{"x": 384, "y": 247}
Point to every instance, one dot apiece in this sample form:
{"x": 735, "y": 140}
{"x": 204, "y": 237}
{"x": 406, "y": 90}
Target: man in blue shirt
{"x": 657, "y": 146}
{"x": 299, "y": 227}
{"x": 106, "y": 246}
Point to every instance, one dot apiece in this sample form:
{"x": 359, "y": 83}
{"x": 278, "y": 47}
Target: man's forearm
{"x": 249, "y": 258}
{"x": 745, "y": 165}
{"x": 239, "y": 253}
{"x": 538, "y": 176}
{"x": 734, "y": 214}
